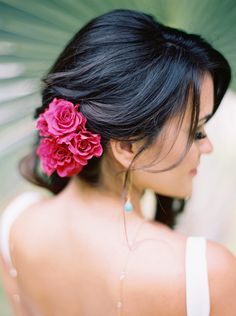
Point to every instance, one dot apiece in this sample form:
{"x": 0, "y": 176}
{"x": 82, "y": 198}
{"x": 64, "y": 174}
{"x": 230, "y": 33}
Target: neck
{"x": 108, "y": 192}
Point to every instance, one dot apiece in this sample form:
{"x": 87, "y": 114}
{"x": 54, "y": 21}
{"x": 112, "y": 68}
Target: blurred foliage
{"x": 4, "y": 306}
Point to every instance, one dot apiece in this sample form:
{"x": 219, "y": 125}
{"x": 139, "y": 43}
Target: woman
{"x": 123, "y": 110}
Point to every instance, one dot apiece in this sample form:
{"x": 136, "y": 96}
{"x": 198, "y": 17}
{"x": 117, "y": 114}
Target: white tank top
{"x": 197, "y": 287}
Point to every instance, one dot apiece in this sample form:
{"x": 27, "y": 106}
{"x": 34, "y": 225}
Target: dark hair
{"x": 130, "y": 74}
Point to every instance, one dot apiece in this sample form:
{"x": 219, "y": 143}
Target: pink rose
{"x": 42, "y": 126}
{"x": 83, "y": 145}
{"x": 67, "y": 145}
{"x": 61, "y": 118}
{"x": 57, "y": 157}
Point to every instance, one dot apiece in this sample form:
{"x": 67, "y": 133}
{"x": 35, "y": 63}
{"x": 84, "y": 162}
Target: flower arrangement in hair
{"x": 66, "y": 144}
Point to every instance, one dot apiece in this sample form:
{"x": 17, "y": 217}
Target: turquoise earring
{"x": 128, "y": 207}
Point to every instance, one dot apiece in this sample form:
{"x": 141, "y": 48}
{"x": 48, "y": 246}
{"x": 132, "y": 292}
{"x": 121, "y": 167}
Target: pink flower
{"x": 66, "y": 146}
{"x": 42, "y": 126}
{"x": 57, "y": 157}
{"x": 60, "y": 118}
{"x": 83, "y": 145}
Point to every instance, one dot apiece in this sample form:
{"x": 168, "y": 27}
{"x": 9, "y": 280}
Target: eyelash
{"x": 199, "y": 135}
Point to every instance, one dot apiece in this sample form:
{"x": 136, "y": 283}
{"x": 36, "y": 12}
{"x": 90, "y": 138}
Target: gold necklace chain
{"x": 122, "y": 277}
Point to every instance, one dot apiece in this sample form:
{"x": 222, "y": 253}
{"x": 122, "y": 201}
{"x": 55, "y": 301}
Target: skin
{"x": 83, "y": 227}
{"x": 176, "y": 182}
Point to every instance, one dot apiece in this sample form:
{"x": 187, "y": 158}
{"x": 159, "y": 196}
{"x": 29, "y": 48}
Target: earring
{"x": 128, "y": 206}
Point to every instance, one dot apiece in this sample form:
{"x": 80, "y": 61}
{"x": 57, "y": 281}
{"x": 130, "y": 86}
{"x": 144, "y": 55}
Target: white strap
{"x": 7, "y": 218}
{"x": 197, "y": 287}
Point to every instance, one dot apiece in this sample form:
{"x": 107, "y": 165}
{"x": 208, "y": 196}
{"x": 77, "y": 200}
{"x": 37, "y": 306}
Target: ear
{"x": 123, "y": 151}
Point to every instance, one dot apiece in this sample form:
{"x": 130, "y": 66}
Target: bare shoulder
{"x": 222, "y": 279}
{"x": 156, "y": 272}
{"x": 33, "y": 235}
{"x": 164, "y": 255}
{"x": 32, "y": 228}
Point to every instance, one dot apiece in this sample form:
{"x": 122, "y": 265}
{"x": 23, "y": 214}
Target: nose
{"x": 206, "y": 146}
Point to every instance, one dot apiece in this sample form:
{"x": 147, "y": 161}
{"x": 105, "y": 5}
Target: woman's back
{"x": 68, "y": 264}
{"x": 77, "y": 262}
